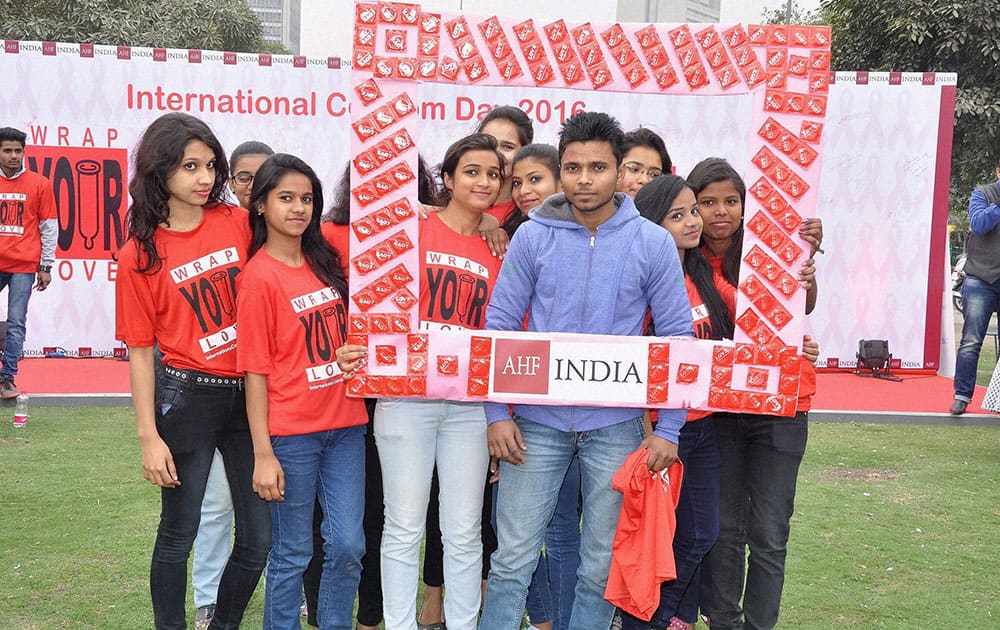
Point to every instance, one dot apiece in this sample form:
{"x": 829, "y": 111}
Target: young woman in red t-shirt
{"x": 176, "y": 288}
{"x": 308, "y": 435}
{"x": 669, "y": 202}
{"x": 759, "y": 454}
{"x": 457, "y": 276}
{"x": 512, "y": 129}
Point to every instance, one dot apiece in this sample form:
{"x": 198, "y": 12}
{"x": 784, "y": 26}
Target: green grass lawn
{"x": 895, "y": 526}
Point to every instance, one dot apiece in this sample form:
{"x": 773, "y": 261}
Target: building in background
{"x": 282, "y": 21}
{"x": 669, "y": 10}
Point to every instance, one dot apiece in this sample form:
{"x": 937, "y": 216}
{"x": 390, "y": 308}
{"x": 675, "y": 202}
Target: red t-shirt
{"x": 501, "y": 210}
{"x": 188, "y": 304}
{"x": 290, "y": 326}
{"x": 25, "y": 201}
{"x": 807, "y": 386}
{"x": 642, "y": 554}
{"x": 339, "y": 237}
{"x": 728, "y": 295}
{"x": 458, "y": 273}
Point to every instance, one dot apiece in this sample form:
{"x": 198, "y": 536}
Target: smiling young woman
{"x": 308, "y": 435}
{"x": 458, "y": 272}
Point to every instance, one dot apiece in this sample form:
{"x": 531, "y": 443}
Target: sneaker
{"x": 203, "y": 618}
{"x": 8, "y": 390}
{"x": 679, "y": 624}
{"x": 957, "y": 407}
{"x": 616, "y": 621}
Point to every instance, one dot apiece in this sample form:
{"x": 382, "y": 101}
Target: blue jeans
{"x": 550, "y": 594}
{"x": 215, "y": 534}
{"x": 980, "y": 300}
{"x": 18, "y": 292}
{"x": 526, "y": 501}
{"x": 697, "y": 526}
{"x": 194, "y": 420}
{"x": 412, "y": 437}
{"x": 759, "y": 466}
{"x": 329, "y": 465}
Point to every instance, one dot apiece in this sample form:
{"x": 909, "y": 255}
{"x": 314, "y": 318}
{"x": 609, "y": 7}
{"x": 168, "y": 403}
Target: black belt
{"x": 201, "y": 378}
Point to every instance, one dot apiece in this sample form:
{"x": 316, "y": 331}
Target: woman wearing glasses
{"x": 644, "y": 158}
{"x": 244, "y": 162}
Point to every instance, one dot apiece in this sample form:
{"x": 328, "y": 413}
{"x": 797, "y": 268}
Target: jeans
{"x": 412, "y": 436}
{"x": 526, "y": 502}
{"x": 759, "y": 465}
{"x": 697, "y": 526}
{"x": 195, "y": 420}
{"x": 370, "y": 587}
{"x": 215, "y": 534}
{"x": 980, "y": 300}
{"x": 18, "y": 292}
{"x": 329, "y": 465}
{"x": 550, "y": 594}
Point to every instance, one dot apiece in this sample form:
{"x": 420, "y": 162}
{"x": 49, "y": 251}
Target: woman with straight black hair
{"x": 308, "y": 435}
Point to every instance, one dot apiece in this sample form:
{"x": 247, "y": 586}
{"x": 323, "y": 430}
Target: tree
{"x": 960, "y": 36}
{"x": 206, "y": 24}
{"x": 790, "y": 13}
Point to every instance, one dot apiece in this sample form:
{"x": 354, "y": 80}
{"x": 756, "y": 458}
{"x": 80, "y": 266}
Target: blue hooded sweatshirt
{"x": 570, "y": 281}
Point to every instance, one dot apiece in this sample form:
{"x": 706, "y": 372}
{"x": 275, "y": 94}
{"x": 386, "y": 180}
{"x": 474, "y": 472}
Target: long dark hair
{"x": 473, "y": 142}
{"x": 323, "y": 259}
{"x": 547, "y": 155}
{"x": 157, "y": 156}
{"x": 653, "y": 201}
{"x": 710, "y": 171}
{"x": 340, "y": 210}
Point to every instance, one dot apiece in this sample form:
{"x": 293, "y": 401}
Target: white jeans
{"x": 413, "y": 435}
{"x": 215, "y": 535}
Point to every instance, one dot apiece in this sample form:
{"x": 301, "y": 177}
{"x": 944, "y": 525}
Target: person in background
{"x": 244, "y": 162}
{"x": 180, "y": 229}
{"x": 645, "y": 159}
{"x": 29, "y": 228}
{"x": 512, "y": 129}
{"x": 981, "y": 288}
{"x": 215, "y": 531}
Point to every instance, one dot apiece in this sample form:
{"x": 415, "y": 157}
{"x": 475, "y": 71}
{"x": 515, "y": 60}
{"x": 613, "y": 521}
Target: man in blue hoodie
{"x": 586, "y": 262}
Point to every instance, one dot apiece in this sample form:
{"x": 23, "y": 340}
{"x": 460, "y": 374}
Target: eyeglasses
{"x": 638, "y": 169}
{"x": 242, "y": 178}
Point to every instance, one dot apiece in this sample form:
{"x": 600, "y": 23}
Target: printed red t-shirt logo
{"x": 521, "y": 366}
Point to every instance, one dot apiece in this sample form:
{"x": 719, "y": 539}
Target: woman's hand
{"x": 158, "y": 463}
{"x": 268, "y": 477}
{"x": 350, "y": 358}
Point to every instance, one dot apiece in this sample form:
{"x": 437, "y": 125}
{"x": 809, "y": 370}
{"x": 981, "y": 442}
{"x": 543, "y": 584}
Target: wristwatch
{"x": 45, "y": 268}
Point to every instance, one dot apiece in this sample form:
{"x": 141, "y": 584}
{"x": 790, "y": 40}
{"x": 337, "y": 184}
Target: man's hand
{"x": 662, "y": 452}
{"x": 506, "y": 443}
{"x": 42, "y": 280}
